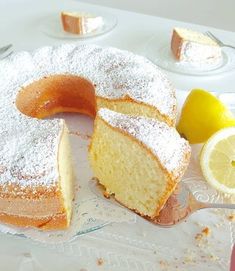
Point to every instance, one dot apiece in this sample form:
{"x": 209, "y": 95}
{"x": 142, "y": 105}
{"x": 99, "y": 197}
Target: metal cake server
{"x": 182, "y": 204}
{"x": 5, "y": 51}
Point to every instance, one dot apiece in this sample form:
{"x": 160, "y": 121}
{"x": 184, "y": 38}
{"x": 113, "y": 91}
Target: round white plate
{"x": 52, "y": 27}
{"x": 159, "y": 52}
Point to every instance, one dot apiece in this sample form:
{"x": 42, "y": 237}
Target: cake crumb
{"x": 213, "y": 257}
{"x": 163, "y": 263}
{"x": 100, "y": 261}
{"x": 219, "y": 224}
{"x": 198, "y": 236}
{"x": 188, "y": 259}
{"x": 82, "y": 136}
{"x": 106, "y": 194}
{"x": 206, "y": 231}
{"x": 231, "y": 217}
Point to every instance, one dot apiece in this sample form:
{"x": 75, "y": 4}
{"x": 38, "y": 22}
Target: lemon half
{"x": 218, "y": 160}
{"x": 202, "y": 115}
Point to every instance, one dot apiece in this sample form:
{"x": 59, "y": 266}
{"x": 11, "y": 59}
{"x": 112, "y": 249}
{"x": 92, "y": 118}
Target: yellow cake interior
{"x": 195, "y": 36}
{"x": 128, "y": 170}
{"x": 66, "y": 172}
{"x": 134, "y": 108}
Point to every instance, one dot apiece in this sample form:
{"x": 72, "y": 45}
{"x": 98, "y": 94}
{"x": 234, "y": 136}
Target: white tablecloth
{"x": 19, "y": 22}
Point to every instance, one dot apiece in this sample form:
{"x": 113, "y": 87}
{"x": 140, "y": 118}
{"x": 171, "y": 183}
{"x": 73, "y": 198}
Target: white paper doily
{"x": 92, "y": 211}
{"x": 133, "y": 244}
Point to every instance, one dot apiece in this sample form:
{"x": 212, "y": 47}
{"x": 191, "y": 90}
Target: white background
{"x": 216, "y": 13}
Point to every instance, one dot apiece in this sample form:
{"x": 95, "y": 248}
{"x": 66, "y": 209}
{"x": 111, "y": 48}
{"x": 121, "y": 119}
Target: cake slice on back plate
{"x": 194, "y": 47}
{"x": 80, "y": 22}
{"x": 139, "y": 160}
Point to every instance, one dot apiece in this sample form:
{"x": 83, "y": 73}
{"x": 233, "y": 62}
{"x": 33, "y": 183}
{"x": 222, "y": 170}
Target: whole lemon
{"x": 202, "y": 115}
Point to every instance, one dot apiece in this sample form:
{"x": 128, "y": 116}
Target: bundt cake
{"x": 139, "y": 160}
{"x": 194, "y": 47}
{"x": 36, "y": 179}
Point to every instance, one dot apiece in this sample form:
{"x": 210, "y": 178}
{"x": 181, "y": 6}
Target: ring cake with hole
{"x": 36, "y": 171}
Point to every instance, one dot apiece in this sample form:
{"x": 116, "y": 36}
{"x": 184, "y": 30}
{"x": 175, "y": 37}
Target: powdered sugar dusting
{"x": 200, "y": 54}
{"x": 162, "y": 140}
{"x": 28, "y": 147}
{"x": 116, "y": 73}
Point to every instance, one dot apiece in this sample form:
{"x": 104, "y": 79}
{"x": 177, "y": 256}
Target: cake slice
{"x": 80, "y": 22}
{"x": 139, "y": 160}
{"x": 41, "y": 187}
{"x": 195, "y": 47}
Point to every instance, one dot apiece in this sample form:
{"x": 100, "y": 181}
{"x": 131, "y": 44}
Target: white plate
{"x": 159, "y": 52}
{"x": 52, "y": 26}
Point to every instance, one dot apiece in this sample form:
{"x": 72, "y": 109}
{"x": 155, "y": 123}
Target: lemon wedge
{"x": 202, "y": 115}
{"x": 217, "y": 160}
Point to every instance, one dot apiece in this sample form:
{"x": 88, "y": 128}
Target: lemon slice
{"x": 218, "y": 160}
{"x": 202, "y": 115}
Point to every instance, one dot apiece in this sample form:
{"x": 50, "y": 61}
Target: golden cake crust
{"x": 176, "y": 44}
{"x": 58, "y": 221}
{"x": 41, "y": 206}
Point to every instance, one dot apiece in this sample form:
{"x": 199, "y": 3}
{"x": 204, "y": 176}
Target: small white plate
{"x": 159, "y": 52}
{"x": 52, "y": 27}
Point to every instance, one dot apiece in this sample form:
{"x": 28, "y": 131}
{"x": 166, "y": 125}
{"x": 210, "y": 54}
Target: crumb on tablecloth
{"x": 198, "y": 236}
{"x": 164, "y": 263}
{"x": 231, "y": 217}
{"x": 206, "y": 231}
{"x": 100, "y": 261}
{"x": 106, "y": 194}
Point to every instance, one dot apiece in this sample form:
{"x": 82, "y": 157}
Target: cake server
{"x": 4, "y": 51}
{"x": 5, "y": 48}
{"x": 182, "y": 204}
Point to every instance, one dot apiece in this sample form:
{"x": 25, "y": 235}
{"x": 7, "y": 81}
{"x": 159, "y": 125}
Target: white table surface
{"x": 19, "y": 21}
{"x": 214, "y": 13}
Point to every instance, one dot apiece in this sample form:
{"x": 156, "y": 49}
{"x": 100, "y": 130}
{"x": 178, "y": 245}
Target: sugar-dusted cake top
{"x": 116, "y": 73}
{"x": 172, "y": 151}
{"x": 28, "y": 147}
{"x": 195, "y": 36}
